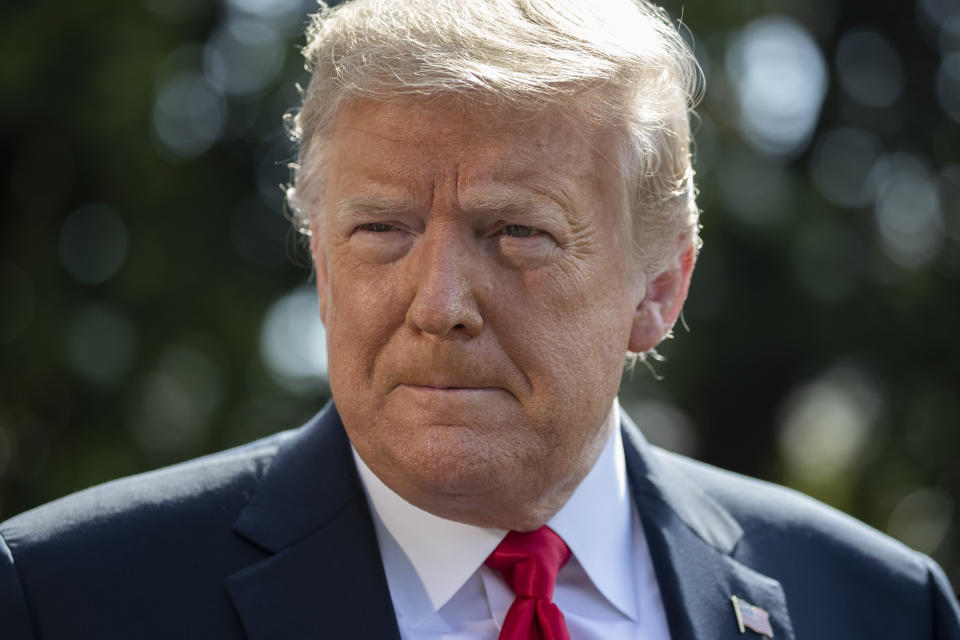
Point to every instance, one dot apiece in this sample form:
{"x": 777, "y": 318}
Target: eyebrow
{"x": 496, "y": 203}
{"x": 374, "y": 204}
{"x": 509, "y": 202}
{"x": 531, "y": 199}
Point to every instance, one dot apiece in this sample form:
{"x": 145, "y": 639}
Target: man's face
{"x": 478, "y": 295}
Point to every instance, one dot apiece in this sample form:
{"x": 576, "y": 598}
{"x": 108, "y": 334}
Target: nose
{"x": 442, "y": 271}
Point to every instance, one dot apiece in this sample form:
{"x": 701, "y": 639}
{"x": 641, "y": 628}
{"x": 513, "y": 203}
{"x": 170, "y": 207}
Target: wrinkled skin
{"x": 479, "y": 296}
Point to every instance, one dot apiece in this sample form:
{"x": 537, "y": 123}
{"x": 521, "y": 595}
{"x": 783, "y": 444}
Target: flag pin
{"x": 751, "y": 617}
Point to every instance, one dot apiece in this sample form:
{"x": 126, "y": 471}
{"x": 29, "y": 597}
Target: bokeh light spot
{"x": 176, "y": 401}
{"x": 780, "y": 77}
{"x": 188, "y": 116}
{"x": 243, "y": 57}
{"x": 907, "y": 211}
{"x": 940, "y": 20}
{"x": 284, "y": 14}
{"x": 754, "y": 189}
{"x": 293, "y": 343}
{"x": 869, "y": 68}
{"x": 93, "y": 243}
{"x": 663, "y": 423}
{"x": 101, "y": 344}
{"x": 922, "y": 519}
{"x": 948, "y": 86}
{"x": 827, "y": 424}
{"x": 842, "y": 162}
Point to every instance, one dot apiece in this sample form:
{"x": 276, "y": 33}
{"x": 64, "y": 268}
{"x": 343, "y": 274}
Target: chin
{"x": 442, "y": 463}
{"x": 478, "y": 490}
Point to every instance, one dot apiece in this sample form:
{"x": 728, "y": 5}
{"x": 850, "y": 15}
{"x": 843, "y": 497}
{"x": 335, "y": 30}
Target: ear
{"x": 319, "y": 253}
{"x": 662, "y": 302}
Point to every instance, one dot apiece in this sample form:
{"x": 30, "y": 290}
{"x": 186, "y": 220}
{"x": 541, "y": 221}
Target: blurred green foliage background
{"x": 155, "y": 304}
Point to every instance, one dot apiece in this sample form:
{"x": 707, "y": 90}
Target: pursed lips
{"x": 448, "y": 398}
{"x": 446, "y": 387}
{"x": 436, "y": 376}
{"x": 435, "y": 380}
{"x": 449, "y": 389}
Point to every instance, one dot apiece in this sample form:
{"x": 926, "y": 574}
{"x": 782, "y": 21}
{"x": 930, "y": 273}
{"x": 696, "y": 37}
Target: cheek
{"x": 570, "y": 333}
{"x": 361, "y": 316}
{"x": 587, "y": 304}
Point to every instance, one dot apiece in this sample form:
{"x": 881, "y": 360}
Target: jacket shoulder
{"x": 772, "y": 514}
{"x": 224, "y": 479}
{"x": 826, "y": 560}
{"x": 140, "y": 547}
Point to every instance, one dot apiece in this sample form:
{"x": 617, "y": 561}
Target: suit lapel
{"x": 692, "y": 542}
{"x": 323, "y": 576}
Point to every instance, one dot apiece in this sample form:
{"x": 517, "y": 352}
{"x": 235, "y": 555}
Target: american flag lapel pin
{"x": 751, "y": 617}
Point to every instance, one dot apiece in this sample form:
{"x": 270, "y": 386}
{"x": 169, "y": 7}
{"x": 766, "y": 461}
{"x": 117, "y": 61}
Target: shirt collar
{"x": 595, "y": 523}
{"x": 443, "y": 553}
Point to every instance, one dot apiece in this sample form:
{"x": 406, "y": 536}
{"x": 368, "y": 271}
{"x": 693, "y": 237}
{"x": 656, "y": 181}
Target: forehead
{"x": 412, "y": 141}
{"x": 442, "y": 120}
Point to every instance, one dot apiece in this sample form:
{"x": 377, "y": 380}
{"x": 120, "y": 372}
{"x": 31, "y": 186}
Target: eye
{"x": 376, "y": 227}
{"x": 519, "y": 231}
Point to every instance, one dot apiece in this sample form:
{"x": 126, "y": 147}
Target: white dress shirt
{"x": 442, "y": 590}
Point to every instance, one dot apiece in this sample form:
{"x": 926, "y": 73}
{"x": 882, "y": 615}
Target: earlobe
{"x": 662, "y": 303}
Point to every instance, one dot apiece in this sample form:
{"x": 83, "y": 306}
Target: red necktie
{"x": 530, "y": 562}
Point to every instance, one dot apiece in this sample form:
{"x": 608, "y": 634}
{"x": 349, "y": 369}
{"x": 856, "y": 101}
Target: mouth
{"x": 443, "y": 387}
{"x": 452, "y": 400}
{"x": 446, "y": 393}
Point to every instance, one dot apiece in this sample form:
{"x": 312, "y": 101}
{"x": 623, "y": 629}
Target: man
{"x": 501, "y": 207}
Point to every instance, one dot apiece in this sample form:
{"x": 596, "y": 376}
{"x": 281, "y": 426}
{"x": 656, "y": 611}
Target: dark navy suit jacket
{"x": 275, "y": 540}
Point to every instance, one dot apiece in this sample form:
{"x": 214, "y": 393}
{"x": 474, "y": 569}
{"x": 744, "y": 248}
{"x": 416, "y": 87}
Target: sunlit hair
{"x": 619, "y": 65}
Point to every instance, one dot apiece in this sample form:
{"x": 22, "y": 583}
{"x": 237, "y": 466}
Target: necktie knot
{"x": 530, "y": 562}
